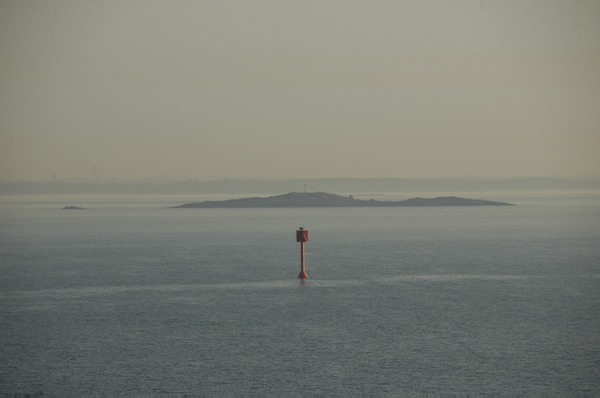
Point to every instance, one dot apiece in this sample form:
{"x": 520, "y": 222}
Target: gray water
{"x": 132, "y": 297}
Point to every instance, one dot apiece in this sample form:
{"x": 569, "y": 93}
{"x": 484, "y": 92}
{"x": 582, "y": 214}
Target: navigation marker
{"x": 302, "y": 236}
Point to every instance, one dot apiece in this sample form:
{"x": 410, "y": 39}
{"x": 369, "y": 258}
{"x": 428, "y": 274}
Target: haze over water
{"x": 132, "y": 297}
{"x": 129, "y": 296}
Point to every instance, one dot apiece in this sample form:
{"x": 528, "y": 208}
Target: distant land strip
{"x": 273, "y": 187}
{"x": 324, "y": 199}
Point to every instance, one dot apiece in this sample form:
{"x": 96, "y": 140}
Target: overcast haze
{"x": 281, "y": 89}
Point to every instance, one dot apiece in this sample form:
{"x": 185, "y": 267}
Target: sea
{"x": 130, "y": 296}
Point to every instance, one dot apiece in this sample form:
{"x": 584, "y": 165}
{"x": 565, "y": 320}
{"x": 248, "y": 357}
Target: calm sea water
{"x": 132, "y": 297}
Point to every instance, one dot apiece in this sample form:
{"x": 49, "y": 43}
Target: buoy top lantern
{"x": 302, "y": 235}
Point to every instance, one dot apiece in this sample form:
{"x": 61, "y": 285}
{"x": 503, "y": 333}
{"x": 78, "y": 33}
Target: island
{"x": 74, "y": 208}
{"x": 323, "y": 199}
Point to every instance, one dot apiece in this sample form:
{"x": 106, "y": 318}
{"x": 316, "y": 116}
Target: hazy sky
{"x": 415, "y": 88}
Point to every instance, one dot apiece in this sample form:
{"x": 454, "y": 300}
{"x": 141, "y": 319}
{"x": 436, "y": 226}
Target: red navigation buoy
{"x": 302, "y": 236}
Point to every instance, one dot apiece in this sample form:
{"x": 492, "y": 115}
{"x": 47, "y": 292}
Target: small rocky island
{"x": 323, "y": 199}
{"x": 74, "y": 208}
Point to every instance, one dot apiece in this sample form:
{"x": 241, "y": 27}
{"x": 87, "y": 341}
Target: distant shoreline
{"x": 262, "y": 187}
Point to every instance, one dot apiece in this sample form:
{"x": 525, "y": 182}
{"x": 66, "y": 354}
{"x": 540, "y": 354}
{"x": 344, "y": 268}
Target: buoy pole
{"x": 302, "y": 270}
{"x": 302, "y": 236}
